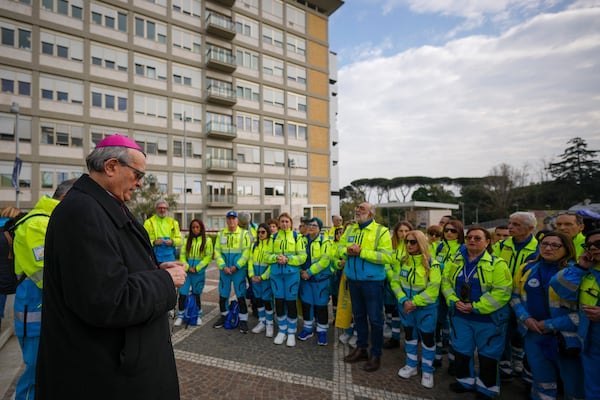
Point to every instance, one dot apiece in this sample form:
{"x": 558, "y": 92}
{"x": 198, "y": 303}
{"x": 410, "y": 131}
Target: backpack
{"x": 232, "y": 320}
{"x": 11, "y": 226}
{"x": 191, "y": 311}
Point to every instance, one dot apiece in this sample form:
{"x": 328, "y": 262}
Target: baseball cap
{"x": 231, "y": 213}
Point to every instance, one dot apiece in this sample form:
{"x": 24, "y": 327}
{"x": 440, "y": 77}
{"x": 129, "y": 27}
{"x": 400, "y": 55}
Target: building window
{"x": 274, "y": 8}
{"x": 61, "y": 134}
{"x": 22, "y": 40}
{"x": 296, "y": 131}
{"x": 296, "y": 45}
{"x": 272, "y": 36}
{"x": 16, "y": 82}
{"x": 102, "y": 98}
{"x": 273, "y": 97}
{"x": 247, "y": 91}
{"x": 150, "y": 68}
{"x": 248, "y": 187}
{"x": 248, "y": 154}
{"x": 193, "y": 148}
{"x": 296, "y": 74}
{"x": 62, "y": 46}
{"x": 272, "y": 66}
{"x": 274, "y": 157}
{"x": 7, "y": 127}
{"x": 273, "y": 128}
{"x": 71, "y": 8}
{"x": 248, "y": 123}
{"x": 150, "y": 30}
{"x": 274, "y": 188}
{"x": 109, "y": 57}
{"x": 247, "y": 59}
{"x": 107, "y": 16}
{"x": 64, "y": 89}
{"x": 296, "y": 18}
{"x": 188, "y": 7}
{"x": 187, "y": 40}
{"x": 246, "y": 26}
{"x": 52, "y": 175}
{"x": 296, "y": 102}
{"x": 186, "y": 76}
{"x": 150, "y": 143}
{"x": 151, "y": 106}
{"x": 193, "y": 112}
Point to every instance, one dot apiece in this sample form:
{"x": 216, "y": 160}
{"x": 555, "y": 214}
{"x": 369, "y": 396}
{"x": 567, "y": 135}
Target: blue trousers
{"x": 238, "y": 278}
{"x": 367, "y": 307}
{"x": 26, "y": 384}
{"x": 591, "y": 360}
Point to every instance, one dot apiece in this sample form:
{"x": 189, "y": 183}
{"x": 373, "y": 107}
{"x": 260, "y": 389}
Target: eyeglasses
{"x": 451, "y": 230}
{"x": 261, "y": 232}
{"x": 138, "y": 174}
{"x": 435, "y": 234}
{"x": 554, "y": 246}
{"x": 589, "y": 245}
{"x": 475, "y": 238}
{"x": 412, "y": 242}
{"x": 312, "y": 225}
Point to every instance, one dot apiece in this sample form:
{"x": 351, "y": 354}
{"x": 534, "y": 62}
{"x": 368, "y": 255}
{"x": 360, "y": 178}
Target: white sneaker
{"x": 280, "y": 338}
{"x": 427, "y": 380}
{"x": 178, "y": 321}
{"x": 406, "y": 372}
{"x": 352, "y": 341}
{"x": 291, "y": 341}
{"x": 387, "y": 331}
{"x": 344, "y": 338}
{"x": 259, "y": 328}
{"x": 269, "y": 331}
{"x": 199, "y": 321}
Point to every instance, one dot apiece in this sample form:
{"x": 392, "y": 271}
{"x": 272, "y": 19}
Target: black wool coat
{"x": 105, "y": 330}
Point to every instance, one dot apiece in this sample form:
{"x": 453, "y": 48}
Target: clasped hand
{"x": 177, "y": 271}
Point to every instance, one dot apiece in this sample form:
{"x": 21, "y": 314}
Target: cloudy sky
{"x": 456, "y": 87}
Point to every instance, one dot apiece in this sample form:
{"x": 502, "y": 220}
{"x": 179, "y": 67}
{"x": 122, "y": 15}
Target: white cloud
{"x": 476, "y": 102}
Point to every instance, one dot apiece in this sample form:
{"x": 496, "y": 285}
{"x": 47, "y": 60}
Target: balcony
{"x": 221, "y": 95}
{"x": 220, "y": 165}
{"x": 220, "y": 59}
{"x": 221, "y": 200}
{"x": 220, "y": 130}
{"x": 220, "y": 25}
{"x": 225, "y": 2}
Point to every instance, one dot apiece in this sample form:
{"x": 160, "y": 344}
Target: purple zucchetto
{"x": 117, "y": 140}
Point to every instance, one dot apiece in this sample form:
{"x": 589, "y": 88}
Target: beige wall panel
{"x": 319, "y": 166}
{"x": 319, "y": 193}
{"x": 318, "y": 110}
{"x": 317, "y": 27}
{"x": 318, "y": 83}
{"x": 317, "y": 55}
{"x": 318, "y": 138}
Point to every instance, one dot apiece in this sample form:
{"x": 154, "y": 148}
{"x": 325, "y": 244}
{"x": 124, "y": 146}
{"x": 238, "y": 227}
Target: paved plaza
{"x": 226, "y": 364}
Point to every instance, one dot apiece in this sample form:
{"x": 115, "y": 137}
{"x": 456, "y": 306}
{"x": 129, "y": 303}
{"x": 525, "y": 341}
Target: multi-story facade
{"x": 229, "y": 99}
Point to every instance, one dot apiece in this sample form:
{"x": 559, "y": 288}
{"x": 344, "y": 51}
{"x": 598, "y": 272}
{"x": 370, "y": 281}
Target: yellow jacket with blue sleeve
{"x": 583, "y": 287}
{"x": 232, "y": 249}
{"x": 558, "y": 314}
{"x": 494, "y": 277}
{"x": 257, "y": 264}
{"x": 165, "y": 227}
{"x": 507, "y": 251}
{"x": 446, "y": 251}
{"x": 319, "y": 259}
{"x": 28, "y": 244}
{"x": 196, "y": 259}
{"x": 290, "y": 244}
{"x": 376, "y": 251}
{"x": 412, "y": 281}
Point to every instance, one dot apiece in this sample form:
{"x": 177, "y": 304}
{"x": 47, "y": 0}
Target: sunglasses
{"x": 260, "y": 232}
{"x": 451, "y": 230}
{"x": 138, "y": 174}
{"x": 435, "y": 234}
{"x": 589, "y": 245}
{"x": 554, "y": 246}
{"x": 475, "y": 238}
{"x": 412, "y": 242}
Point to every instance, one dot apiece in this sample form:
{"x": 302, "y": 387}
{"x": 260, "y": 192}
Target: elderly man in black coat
{"x": 105, "y": 329}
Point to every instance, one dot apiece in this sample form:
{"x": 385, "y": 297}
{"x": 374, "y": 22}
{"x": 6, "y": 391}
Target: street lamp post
{"x": 290, "y": 164}
{"x": 14, "y": 108}
{"x": 184, "y": 219}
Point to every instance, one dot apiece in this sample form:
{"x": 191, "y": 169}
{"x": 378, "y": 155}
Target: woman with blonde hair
{"x": 416, "y": 284}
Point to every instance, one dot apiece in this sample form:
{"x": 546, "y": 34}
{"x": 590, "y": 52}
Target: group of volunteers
{"x": 524, "y": 303}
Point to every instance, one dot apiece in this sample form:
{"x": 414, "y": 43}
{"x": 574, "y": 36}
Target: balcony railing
{"x": 221, "y": 95}
{"x": 220, "y": 25}
{"x": 225, "y": 2}
{"x": 221, "y": 59}
{"x": 221, "y": 165}
{"x": 221, "y": 130}
{"x": 221, "y": 200}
